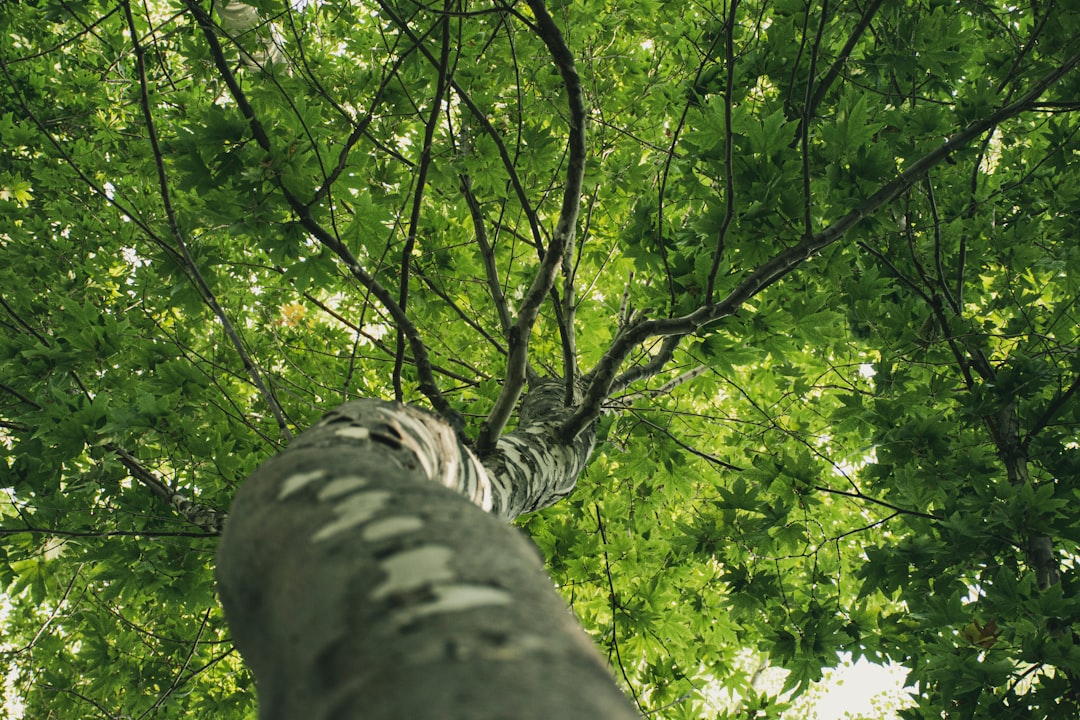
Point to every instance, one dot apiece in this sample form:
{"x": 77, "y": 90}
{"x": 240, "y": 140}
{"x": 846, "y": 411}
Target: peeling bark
{"x": 533, "y": 467}
{"x": 361, "y": 578}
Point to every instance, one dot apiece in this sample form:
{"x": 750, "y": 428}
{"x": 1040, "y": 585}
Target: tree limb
{"x": 1056, "y": 405}
{"x": 418, "y": 196}
{"x": 563, "y": 236}
{"x": 487, "y": 255}
{"x": 729, "y": 182}
{"x": 427, "y": 384}
{"x": 834, "y": 70}
{"x": 250, "y": 366}
{"x": 603, "y": 374}
{"x": 655, "y": 366}
{"x": 207, "y": 518}
{"x": 567, "y": 333}
{"x": 489, "y": 130}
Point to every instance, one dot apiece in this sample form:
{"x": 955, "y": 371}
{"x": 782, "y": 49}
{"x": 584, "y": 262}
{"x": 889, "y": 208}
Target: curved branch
{"x": 487, "y": 255}
{"x": 418, "y": 196}
{"x": 939, "y": 268}
{"x": 250, "y": 366}
{"x": 708, "y": 457}
{"x": 376, "y": 342}
{"x": 669, "y": 157}
{"x": 427, "y": 385}
{"x": 936, "y": 308}
{"x": 681, "y": 379}
{"x": 563, "y": 236}
{"x": 603, "y": 375}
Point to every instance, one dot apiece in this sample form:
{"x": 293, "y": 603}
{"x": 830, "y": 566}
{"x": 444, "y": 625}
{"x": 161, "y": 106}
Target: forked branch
{"x": 602, "y": 377}
{"x": 561, "y": 239}
{"x": 418, "y": 197}
{"x": 250, "y": 366}
{"x": 425, "y": 375}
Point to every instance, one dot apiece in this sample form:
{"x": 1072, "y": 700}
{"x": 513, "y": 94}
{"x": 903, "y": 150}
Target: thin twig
{"x": 493, "y": 134}
{"x": 425, "y": 376}
{"x": 250, "y": 366}
{"x": 614, "y": 609}
{"x": 895, "y": 508}
{"x": 418, "y": 197}
{"x": 487, "y": 256}
{"x": 729, "y": 181}
{"x": 1052, "y": 410}
{"x": 841, "y": 60}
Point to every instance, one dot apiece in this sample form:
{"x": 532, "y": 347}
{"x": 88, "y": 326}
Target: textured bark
{"x": 533, "y": 466}
{"x": 360, "y": 583}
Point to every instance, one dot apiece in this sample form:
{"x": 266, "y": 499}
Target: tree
{"x": 786, "y": 291}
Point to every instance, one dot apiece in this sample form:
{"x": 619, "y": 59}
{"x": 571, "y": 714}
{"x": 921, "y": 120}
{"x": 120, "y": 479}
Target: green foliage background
{"x": 832, "y": 469}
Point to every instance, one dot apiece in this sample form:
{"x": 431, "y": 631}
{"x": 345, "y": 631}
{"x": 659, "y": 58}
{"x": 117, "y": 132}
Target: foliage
{"x": 863, "y": 450}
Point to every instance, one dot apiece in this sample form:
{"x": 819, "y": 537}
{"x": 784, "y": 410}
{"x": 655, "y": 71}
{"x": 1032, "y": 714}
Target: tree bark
{"x": 362, "y": 578}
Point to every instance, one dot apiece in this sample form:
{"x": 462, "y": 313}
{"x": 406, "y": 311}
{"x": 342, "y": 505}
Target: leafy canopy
{"x": 846, "y": 415}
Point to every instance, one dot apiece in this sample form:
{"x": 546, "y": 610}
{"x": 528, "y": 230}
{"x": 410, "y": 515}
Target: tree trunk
{"x": 359, "y": 580}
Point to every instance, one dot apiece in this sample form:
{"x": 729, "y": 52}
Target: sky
{"x": 851, "y": 689}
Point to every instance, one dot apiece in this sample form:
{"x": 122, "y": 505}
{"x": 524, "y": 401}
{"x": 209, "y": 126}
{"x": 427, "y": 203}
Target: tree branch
{"x": 359, "y": 129}
{"x": 681, "y": 379}
{"x": 563, "y": 236}
{"x": 481, "y": 117}
{"x": 207, "y": 518}
{"x": 567, "y": 333}
{"x": 250, "y": 366}
{"x": 603, "y": 374}
{"x": 418, "y": 196}
{"x": 712, "y": 459}
{"x": 376, "y": 342}
{"x": 469, "y": 320}
{"x": 487, "y": 255}
{"x": 649, "y": 369}
{"x": 857, "y": 495}
{"x": 614, "y": 601}
{"x": 729, "y": 181}
{"x": 845, "y": 52}
{"x": 1056, "y": 405}
{"x": 427, "y": 384}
